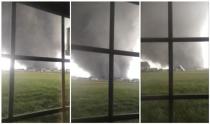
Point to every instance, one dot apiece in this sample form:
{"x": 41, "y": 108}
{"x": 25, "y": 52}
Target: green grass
{"x": 189, "y": 82}
{"x": 90, "y": 98}
{"x": 34, "y": 91}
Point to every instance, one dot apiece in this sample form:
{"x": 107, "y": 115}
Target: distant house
{"x": 179, "y": 68}
{"x": 134, "y": 80}
{"x": 145, "y": 66}
{"x": 153, "y": 69}
{"x": 93, "y": 78}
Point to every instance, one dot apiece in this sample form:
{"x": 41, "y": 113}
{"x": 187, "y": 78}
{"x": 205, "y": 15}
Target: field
{"x": 189, "y": 82}
{"x": 36, "y": 91}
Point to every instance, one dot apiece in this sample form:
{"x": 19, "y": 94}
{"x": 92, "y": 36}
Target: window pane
{"x": 154, "y": 69}
{"x": 126, "y": 84}
{"x": 191, "y": 68}
{"x": 6, "y": 27}
{"x": 154, "y": 19}
{"x": 37, "y": 86}
{"x": 67, "y": 86}
{"x": 127, "y": 27}
{"x": 67, "y": 37}
{"x": 191, "y": 111}
{"x": 190, "y": 19}
{"x": 38, "y": 33}
{"x": 154, "y": 111}
{"x": 5, "y": 92}
{"x": 90, "y": 23}
{"x": 89, "y": 84}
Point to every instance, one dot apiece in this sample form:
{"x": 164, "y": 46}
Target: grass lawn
{"x": 34, "y": 91}
{"x": 189, "y": 82}
{"x": 90, "y": 98}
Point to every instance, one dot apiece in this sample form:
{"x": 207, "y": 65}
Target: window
{"x": 181, "y": 94}
{"x": 100, "y": 90}
{"x": 33, "y": 78}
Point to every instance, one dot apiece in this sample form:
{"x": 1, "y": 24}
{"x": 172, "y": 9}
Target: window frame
{"x": 170, "y": 40}
{"x": 12, "y": 56}
{"x": 111, "y": 51}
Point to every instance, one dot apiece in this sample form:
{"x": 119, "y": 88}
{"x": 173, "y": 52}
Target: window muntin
{"x": 172, "y": 97}
{"x": 110, "y": 103}
{"x": 7, "y": 117}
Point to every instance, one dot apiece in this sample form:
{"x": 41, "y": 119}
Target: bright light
{"x": 205, "y": 46}
{"x": 75, "y": 70}
{"x": 78, "y": 71}
{"x": 154, "y": 64}
{"x": 133, "y": 69}
{"x": 5, "y": 64}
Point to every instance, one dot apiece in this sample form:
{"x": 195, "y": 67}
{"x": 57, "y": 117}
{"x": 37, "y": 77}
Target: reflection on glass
{"x": 94, "y": 31}
{"x": 89, "y": 85}
{"x": 126, "y": 84}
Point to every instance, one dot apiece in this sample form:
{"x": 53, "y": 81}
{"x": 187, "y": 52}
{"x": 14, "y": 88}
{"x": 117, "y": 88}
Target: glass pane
{"x": 5, "y": 85}
{"x": 6, "y": 27}
{"x": 127, "y": 27}
{"x": 67, "y": 87}
{"x": 89, "y": 84}
{"x": 38, "y": 33}
{"x": 90, "y": 23}
{"x": 154, "y": 111}
{"x": 154, "y": 69}
{"x": 190, "y": 19}
{"x": 191, "y": 68}
{"x": 67, "y": 37}
{"x": 37, "y": 86}
{"x": 154, "y": 19}
{"x": 191, "y": 111}
{"x": 126, "y": 84}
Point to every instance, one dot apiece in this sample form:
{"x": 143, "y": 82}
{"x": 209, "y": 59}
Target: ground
{"x": 36, "y": 91}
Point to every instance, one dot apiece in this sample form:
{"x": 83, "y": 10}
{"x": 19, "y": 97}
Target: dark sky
{"x": 38, "y": 33}
{"x": 190, "y": 19}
